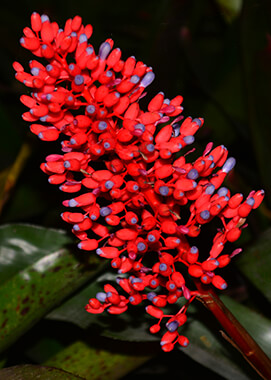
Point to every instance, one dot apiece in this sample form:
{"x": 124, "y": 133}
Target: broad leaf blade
{"x": 132, "y": 325}
{"x": 207, "y": 346}
{"x": 23, "y": 245}
{"x": 40, "y": 281}
{"x": 33, "y": 372}
{"x": 93, "y": 364}
{"x": 255, "y": 264}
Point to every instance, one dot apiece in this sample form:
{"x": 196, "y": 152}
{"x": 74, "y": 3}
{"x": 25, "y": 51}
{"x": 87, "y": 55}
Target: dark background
{"x": 218, "y": 59}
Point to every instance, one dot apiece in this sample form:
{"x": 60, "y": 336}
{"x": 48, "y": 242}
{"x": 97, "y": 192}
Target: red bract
{"x": 126, "y": 172}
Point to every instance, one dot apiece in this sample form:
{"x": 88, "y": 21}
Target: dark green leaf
{"x": 255, "y": 264}
{"x": 42, "y": 269}
{"x": 23, "y": 245}
{"x": 132, "y": 325}
{"x": 93, "y": 364}
{"x": 33, "y": 372}
{"x": 207, "y": 346}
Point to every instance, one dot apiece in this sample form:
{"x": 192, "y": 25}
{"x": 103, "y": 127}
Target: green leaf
{"x": 39, "y": 267}
{"x": 132, "y": 325}
{"x": 93, "y": 364}
{"x": 207, "y": 346}
{"x": 33, "y": 372}
{"x": 230, "y": 9}
{"x": 23, "y": 245}
{"x": 255, "y": 264}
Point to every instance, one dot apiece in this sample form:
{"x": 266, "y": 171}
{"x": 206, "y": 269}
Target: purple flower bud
{"x": 150, "y": 148}
{"x": 134, "y": 79}
{"x": 147, "y": 79}
{"x": 101, "y": 296}
{"x": 163, "y": 267}
{"x": 99, "y": 251}
{"x": 151, "y": 237}
{"x": 89, "y": 50}
{"x": 67, "y": 164}
{"x": 193, "y": 174}
{"x": 90, "y": 109}
{"x": 44, "y": 18}
{"x": 205, "y": 214}
{"x": 189, "y": 139}
{"x": 172, "y": 326}
{"x": 82, "y": 38}
{"x": 229, "y": 165}
{"x": 222, "y": 191}
{"x": 194, "y": 250}
{"x": 198, "y": 121}
{"x": 105, "y": 211}
{"x": 106, "y": 145}
{"x": 102, "y": 125}
{"x": 35, "y": 71}
{"x": 78, "y": 80}
{"x": 210, "y": 189}
{"x": 72, "y": 141}
{"x": 250, "y": 201}
{"x": 135, "y": 280}
{"x": 72, "y": 203}
{"x": 151, "y": 295}
{"x": 164, "y": 190}
{"x": 141, "y": 127}
{"x": 176, "y": 130}
{"x": 141, "y": 246}
{"x": 109, "y": 184}
{"x": 104, "y": 50}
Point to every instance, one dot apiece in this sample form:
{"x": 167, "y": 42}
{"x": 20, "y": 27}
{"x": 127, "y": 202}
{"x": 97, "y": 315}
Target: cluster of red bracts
{"x": 133, "y": 189}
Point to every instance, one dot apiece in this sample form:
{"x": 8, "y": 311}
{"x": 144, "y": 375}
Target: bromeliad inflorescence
{"x": 138, "y": 201}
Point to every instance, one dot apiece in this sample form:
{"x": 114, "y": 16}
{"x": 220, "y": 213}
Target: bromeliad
{"x": 136, "y": 198}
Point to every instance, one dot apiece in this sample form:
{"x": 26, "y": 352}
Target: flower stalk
{"x": 237, "y": 335}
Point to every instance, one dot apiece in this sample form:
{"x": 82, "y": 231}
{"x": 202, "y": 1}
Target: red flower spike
{"x": 133, "y": 202}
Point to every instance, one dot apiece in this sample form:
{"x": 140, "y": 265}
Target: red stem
{"x": 238, "y": 336}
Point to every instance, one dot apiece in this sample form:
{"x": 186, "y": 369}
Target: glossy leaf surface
{"x": 38, "y": 270}
{"x": 255, "y": 264}
{"x": 207, "y": 345}
{"x": 33, "y": 372}
{"x": 93, "y": 364}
